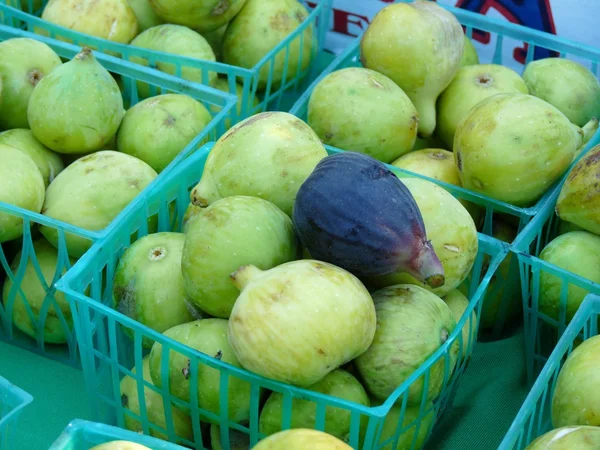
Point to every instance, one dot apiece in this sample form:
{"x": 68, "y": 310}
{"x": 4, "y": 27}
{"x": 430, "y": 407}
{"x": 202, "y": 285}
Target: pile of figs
{"x": 326, "y": 272}
{"x": 71, "y": 152}
{"x": 235, "y": 32}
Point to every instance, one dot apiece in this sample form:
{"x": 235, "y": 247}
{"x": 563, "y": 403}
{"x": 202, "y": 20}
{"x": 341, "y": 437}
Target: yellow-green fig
{"x": 22, "y": 185}
{"x": 49, "y": 163}
{"x": 268, "y": 155}
{"x": 513, "y": 147}
{"x": 458, "y": 304}
{"x": 301, "y": 439}
{"x": 470, "y": 56}
{"x": 154, "y": 407}
{"x": 76, "y": 108}
{"x": 91, "y": 192}
{"x": 202, "y": 15}
{"x": 568, "y": 438}
{"x": 114, "y": 20}
{"x": 576, "y": 397}
{"x": 405, "y": 41}
{"x": 23, "y": 63}
{"x": 177, "y": 40}
{"x": 120, "y": 445}
{"x": 157, "y": 129}
{"x": 299, "y": 321}
{"x": 259, "y": 27}
{"x": 577, "y": 252}
{"x": 471, "y": 85}
{"x": 145, "y": 15}
{"x": 57, "y": 321}
{"x": 569, "y": 86}
{"x": 579, "y": 199}
{"x": 364, "y": 111}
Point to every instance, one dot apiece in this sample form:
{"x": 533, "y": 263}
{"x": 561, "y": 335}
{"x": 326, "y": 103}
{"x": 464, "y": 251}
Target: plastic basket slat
{"x": 131, "y": 73}
{"x": 500, "y": 30}
{"x": 534, "y": 417}
{"x": 12, "y": 402}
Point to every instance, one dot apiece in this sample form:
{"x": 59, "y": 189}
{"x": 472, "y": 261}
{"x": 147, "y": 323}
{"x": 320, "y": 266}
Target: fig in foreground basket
{"x": 412, "y": 324}
{"x": 579, "y": 199}
{"x": 301, "y": 439}
{"x": 120, "y": 445}
{"x": 470, "y": 56}
{"x": 299, "y": 321}
{"x": 353, "y": 212}
{"x": 268, "y": 155}
{"x": 568, "y": 438}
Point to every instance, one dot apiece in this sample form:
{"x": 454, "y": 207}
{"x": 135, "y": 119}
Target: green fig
{"x": 338, "y": 383}
{"x": 404, "y": 41}
{"x": 157, "y": 129}
{"x": 91, "y": 192}
{"x": 223, "y": 85}
{"x": 513, "y": 147}
{"x": 37, "y": 296}
{"x": 471, "y": 85}
{"x": 202, "y": 15}
{"x": 113, "y": 20}
{"x": 49, "y": 163}
{"x": 569, "y": 86}
{"x": 470, "y": 56}
{"x": 259, "y": 27}
{"x": 268, "y": 155}
{"x": 301, "y": 439}
{"x": 23, "y": 63}
{"x": 364, "y": 111}
{"x": 458, "y": 304}
{"x": 230, "y": 233}
{"x": 578, "y": 201}
{"x": 577, "y": 252}
{"x": 22, "y": 185}
{"x": 568, "y": 438}
{"x": 145, "y": 15}
{"x": 154, "y": 407}
{"x": 177, "y": 40}
{"x": 77, "y": 108}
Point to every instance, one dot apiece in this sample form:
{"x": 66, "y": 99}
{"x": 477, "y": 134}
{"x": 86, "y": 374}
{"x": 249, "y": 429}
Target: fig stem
{"x": 589, "y": 129}
{"x": 244, "y": 275}
{"x": 85, "y": 53}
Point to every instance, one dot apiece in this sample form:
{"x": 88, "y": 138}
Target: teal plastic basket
{"x": 541, "y": 331}
{"x": 130, "y": 74}
{"x": 108, "y": 354}
{"x": 275, "y": 96}
{"x": 534, "y": 417}
{"x": 84, "y": 435}
{"x": 12, "y": 402}
{"x": 504, "y": 34}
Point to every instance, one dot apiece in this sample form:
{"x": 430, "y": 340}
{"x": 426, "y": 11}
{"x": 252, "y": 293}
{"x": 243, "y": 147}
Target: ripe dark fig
{"x": 353, "y": 212}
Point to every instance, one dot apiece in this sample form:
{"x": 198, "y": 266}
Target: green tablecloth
{"x": 491, "y": 392}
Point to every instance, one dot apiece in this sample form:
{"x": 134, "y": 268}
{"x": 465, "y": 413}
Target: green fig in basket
{"x": 579, "y": 200}
{"x": 513, "y": 147}
{"x": 208, "y": 336}
{"x": 77, "y": 108}
{"x": 338, "y": 383}
{"x": 301, "y": 439}
{"x": 154, "y": 407}
{"x": 576, "y": 397}
{"x": 145, "y": 15}
{"x": 568, "y": 438}
{"x": 471, "y": 85}
{"x": 259, "y": 27}
{"x": 22, "y": 185}
{"x": 148, "y": 284}
{"x": 57, "y": 321}
{"x": 569, "y": 86}
{"x": 177, "y": 40}
{"x": 364, "y": 111}
{"x": 120, "y": 445}
{"x": 577, "y": 252}
{"x": 230, "y": 233}
{"x": 470, "y": 56}
{"x": 412, "y": 324}
{"x": 299, "y": 321}
{"x": 91, "y": 192}
{"x": 157, "y": 129}
{"x": 268, "y": 155}
{"x": 49, "y": 163}
{"x": 23, "y": 63}
{"x": 108, "y": 19}
{"x": 202, "y": 15}
{"x": 404, "y": 41}
{"x": 458, "y": 304}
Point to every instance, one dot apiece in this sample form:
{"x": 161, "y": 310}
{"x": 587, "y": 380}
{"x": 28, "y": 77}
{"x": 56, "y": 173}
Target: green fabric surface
{"x": 489, "y": 397}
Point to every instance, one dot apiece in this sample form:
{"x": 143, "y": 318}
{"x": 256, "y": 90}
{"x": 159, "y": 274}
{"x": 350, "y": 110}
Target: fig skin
{"x": 404, "y": 41}
{"x": 568, "y": 438}
{"x": 301, "y": 439}
{"x": 579, "y": 200}
{"x": 145, "y": 15}
{"x": 470, "y": 56}
{"x": 202, "y": 15}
